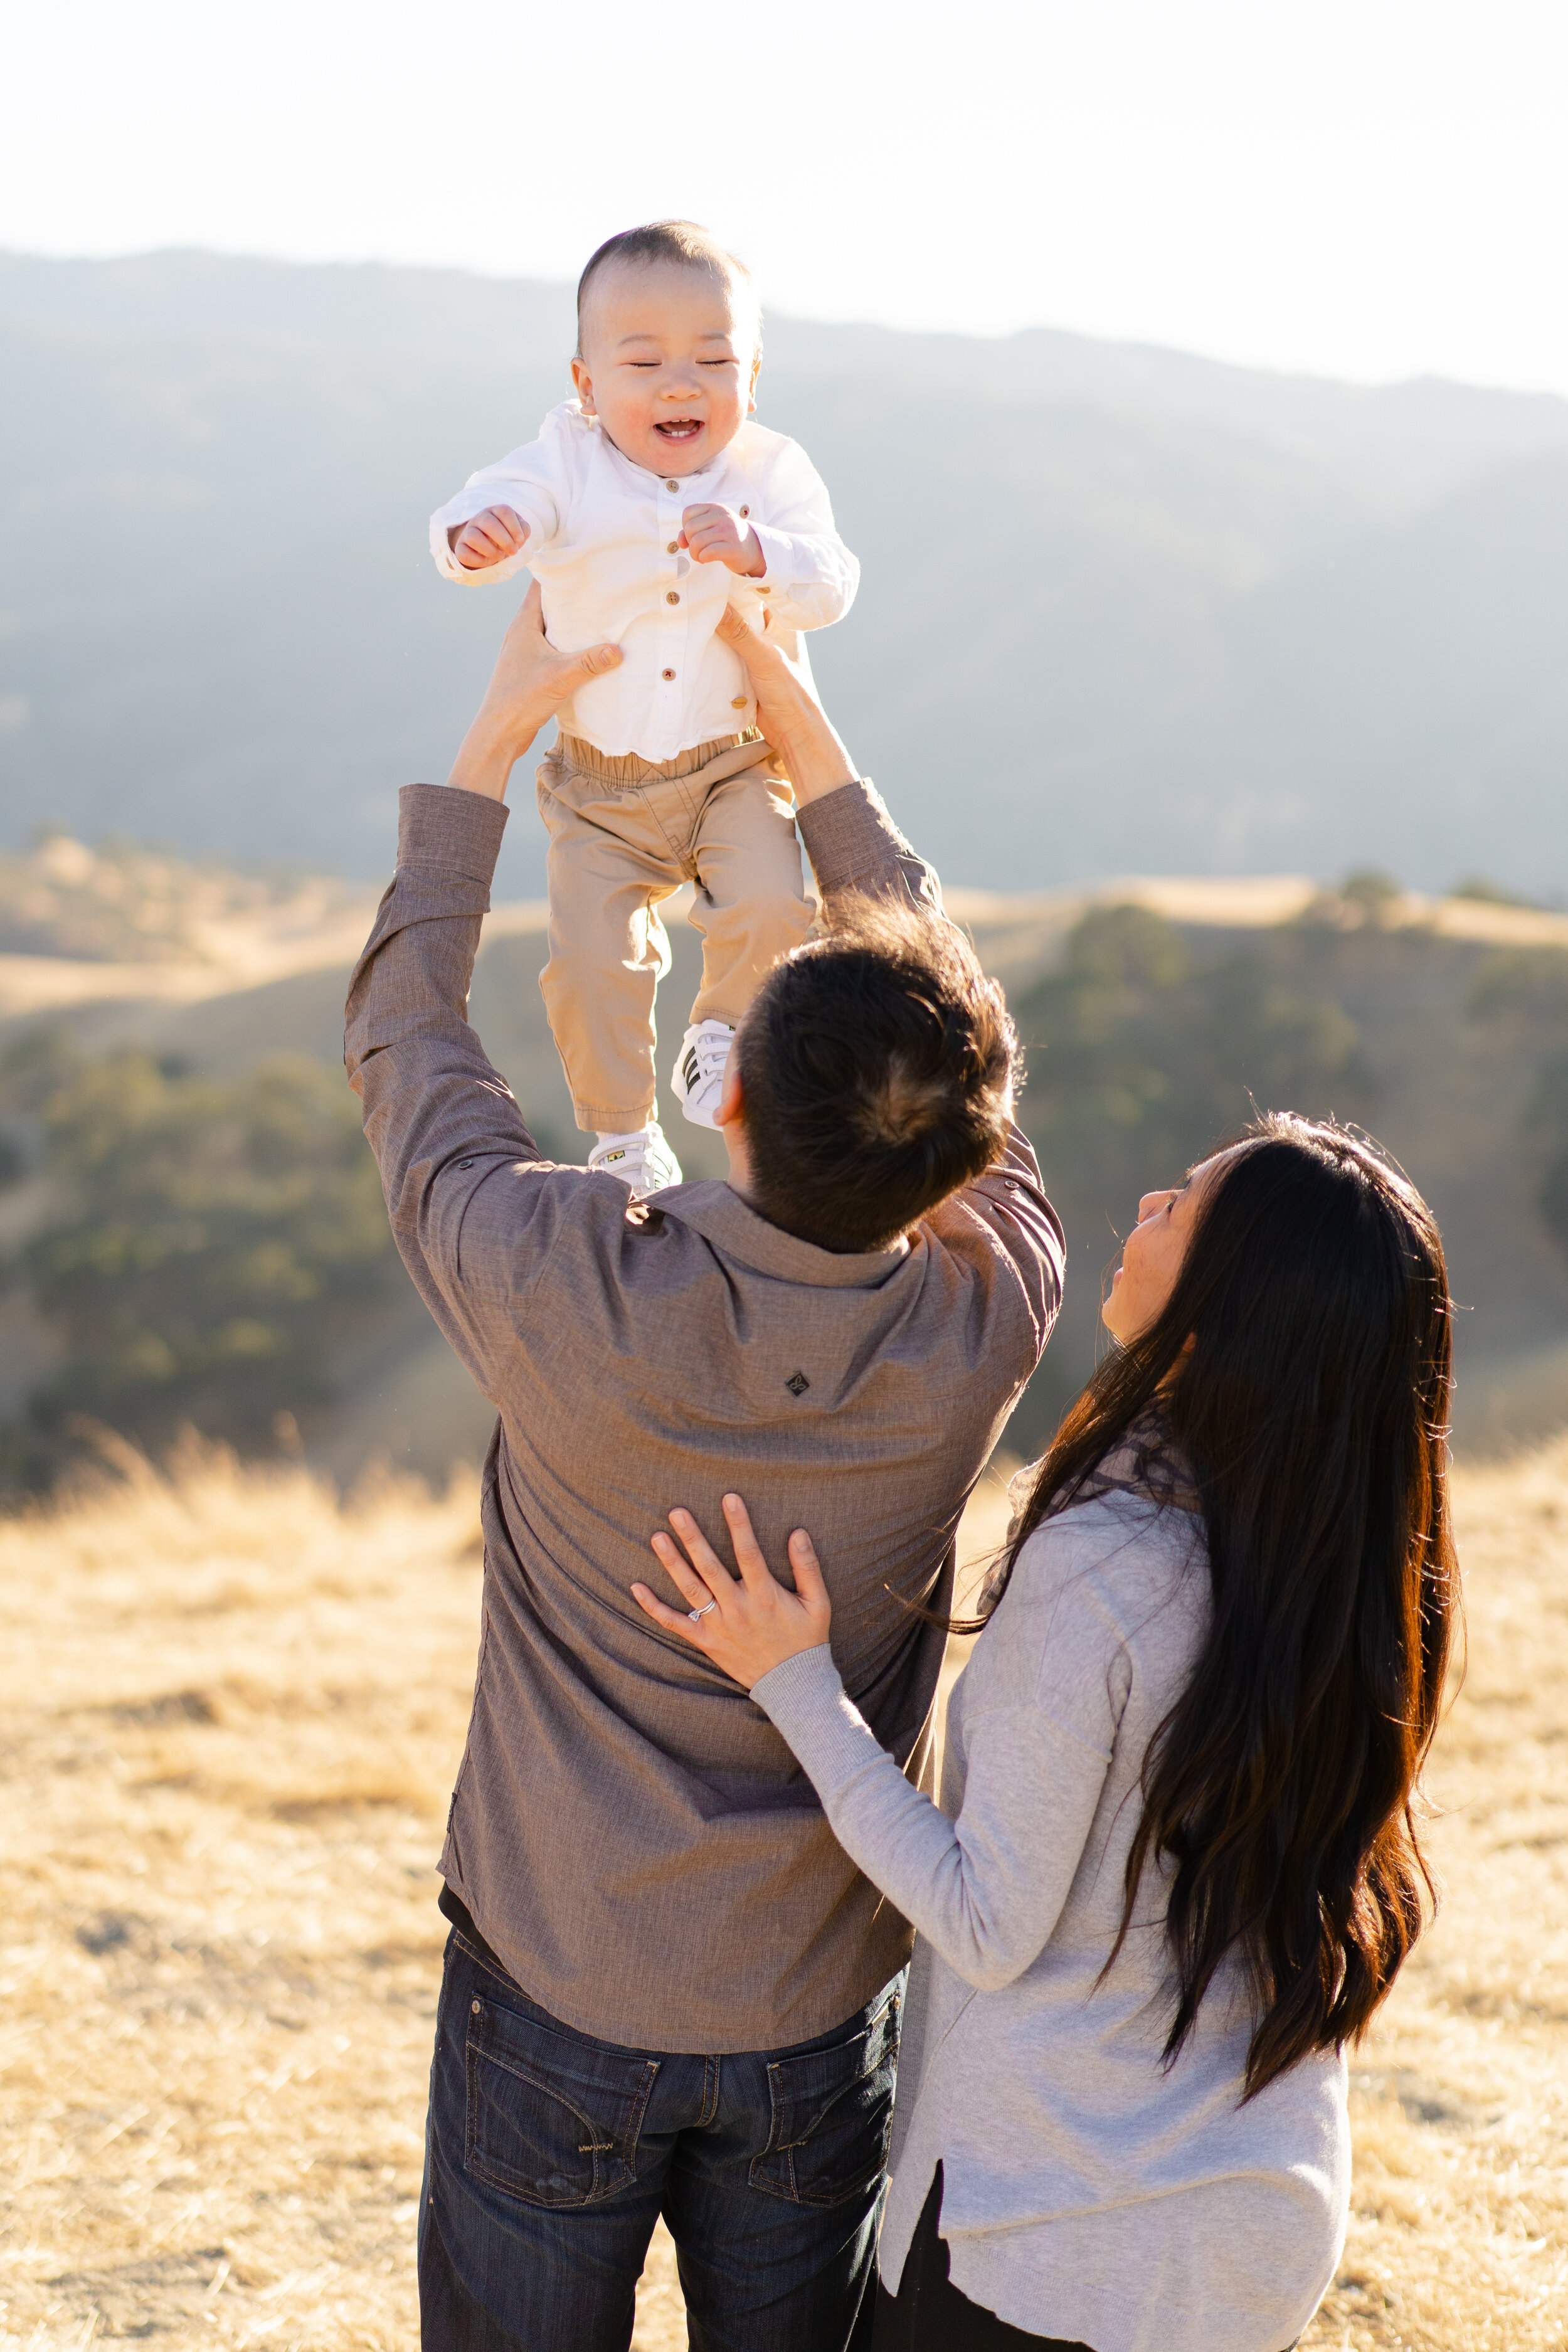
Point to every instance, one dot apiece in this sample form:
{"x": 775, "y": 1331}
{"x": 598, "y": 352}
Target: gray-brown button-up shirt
{"x": 629, "y": 1830}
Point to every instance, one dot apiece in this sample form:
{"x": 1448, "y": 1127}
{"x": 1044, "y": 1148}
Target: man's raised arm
{"x": 854, "y": 845}
{"x": 850, "y": 836}
{"x": 437, "y": 1116}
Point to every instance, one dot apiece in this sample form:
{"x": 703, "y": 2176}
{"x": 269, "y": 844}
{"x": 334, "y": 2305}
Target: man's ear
{"x": 732, "y": 1110}
{"x": 585, "y": 384}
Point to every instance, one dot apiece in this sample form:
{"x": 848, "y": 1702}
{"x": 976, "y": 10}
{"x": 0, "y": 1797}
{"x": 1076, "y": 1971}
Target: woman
{"x": 1175, "y": 1869}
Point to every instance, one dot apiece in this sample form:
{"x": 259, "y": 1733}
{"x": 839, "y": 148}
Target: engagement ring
{"x": 695, "y": 1613}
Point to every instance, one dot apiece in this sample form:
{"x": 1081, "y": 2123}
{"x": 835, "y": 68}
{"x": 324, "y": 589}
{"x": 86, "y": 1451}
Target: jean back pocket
{"x": 832, "y": 2112}
{"x": 551, "y": 2119}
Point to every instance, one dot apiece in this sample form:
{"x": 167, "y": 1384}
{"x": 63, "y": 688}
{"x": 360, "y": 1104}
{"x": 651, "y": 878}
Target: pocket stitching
{"x": 604, "y": 2180}
{"x": 886, "y": 2020}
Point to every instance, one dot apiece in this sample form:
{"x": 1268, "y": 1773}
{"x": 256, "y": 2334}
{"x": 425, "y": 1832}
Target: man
{"x": 667, "y": 1988}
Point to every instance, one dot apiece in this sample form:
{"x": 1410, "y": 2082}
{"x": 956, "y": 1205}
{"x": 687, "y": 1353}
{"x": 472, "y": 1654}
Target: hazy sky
{"x": 1361, "y": 187}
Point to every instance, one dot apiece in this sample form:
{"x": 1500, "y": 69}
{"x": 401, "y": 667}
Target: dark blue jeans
{"x": 549, "y": 2157}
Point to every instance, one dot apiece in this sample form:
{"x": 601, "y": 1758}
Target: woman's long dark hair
{"x": 1312, "y": 1412}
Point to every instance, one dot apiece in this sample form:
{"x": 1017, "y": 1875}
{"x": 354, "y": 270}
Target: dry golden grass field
{"x": 231, "y": 1713}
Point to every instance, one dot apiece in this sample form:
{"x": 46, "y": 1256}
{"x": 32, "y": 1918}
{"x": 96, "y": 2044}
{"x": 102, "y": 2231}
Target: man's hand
{"x": 528, "y": 686}
{"x": 718, "y": 535}
{"x": 489, "y": 539}
{"x": 746, "y": 1625}
{"x": 788, "y": 713}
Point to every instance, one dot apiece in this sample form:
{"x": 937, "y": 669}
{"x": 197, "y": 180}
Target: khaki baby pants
{"x": 625, "y": 834}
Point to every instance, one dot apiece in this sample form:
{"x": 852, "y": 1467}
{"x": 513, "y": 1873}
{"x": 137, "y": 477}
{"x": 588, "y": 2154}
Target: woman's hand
{"x": 528, "y": 686}
{"x": 788, "y": 713}
{"x": 750, "y": 1624}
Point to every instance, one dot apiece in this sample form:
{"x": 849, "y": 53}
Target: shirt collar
{"x": 716, "y": 1212}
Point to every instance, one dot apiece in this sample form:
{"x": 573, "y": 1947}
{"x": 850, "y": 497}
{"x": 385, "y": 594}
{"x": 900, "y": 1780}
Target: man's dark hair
{"x": 683, "y": 242}
{"x": 876, "y": 1064}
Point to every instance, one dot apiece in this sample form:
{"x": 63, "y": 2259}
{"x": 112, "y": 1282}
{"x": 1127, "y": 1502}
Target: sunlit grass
{"x": 232, "y": 1712}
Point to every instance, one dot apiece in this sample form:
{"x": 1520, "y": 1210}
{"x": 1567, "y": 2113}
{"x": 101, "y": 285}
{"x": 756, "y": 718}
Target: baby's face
{"x": 668, "y": 363}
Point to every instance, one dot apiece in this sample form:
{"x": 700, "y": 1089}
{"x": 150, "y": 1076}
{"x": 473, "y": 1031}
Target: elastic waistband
{"x": 619, "y": 769}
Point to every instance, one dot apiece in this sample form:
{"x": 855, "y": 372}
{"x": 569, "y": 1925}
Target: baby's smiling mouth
{"x": 680, "y": 428}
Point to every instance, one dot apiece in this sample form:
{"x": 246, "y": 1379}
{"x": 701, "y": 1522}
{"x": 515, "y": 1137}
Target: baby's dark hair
{"x": 683, "y": 242}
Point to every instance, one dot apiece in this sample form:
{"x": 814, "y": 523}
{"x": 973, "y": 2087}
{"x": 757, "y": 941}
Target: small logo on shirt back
{"x": 798, "y": 1384}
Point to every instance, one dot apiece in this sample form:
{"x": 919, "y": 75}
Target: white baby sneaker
{"x": 642, "y": 1159}
{"x": 699, "y": 1067}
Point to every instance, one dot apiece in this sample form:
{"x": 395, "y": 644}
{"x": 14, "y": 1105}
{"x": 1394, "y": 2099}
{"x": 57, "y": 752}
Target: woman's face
{"x": 1151, "y": 1254}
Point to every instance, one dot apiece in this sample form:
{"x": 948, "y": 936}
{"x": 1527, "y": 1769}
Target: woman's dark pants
{"x": 550, "y": 2156}
{"x": 929, "y": 2314}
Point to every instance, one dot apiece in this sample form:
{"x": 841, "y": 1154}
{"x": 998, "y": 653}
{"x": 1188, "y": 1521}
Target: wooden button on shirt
{"x": 601, "y": 534}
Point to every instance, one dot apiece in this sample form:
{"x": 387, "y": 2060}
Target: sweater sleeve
{"x": 987, "y": 1888}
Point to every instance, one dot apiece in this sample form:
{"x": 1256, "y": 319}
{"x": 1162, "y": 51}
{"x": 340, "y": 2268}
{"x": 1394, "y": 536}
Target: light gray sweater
{"x": 1089, "y": 2192}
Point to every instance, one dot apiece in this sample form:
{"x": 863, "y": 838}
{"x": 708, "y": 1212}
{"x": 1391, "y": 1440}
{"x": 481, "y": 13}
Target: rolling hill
{"x": 1123, "y": 609}
{"x": 1156, "y": 1013}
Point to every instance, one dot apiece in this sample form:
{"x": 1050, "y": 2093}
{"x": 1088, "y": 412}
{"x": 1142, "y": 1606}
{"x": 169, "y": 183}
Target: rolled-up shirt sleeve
{"x": 530, "y": 481}
{"x": 853, "y": 845}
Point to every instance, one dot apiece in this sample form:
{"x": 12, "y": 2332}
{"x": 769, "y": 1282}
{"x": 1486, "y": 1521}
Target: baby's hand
{"x": 719, "y": 535}
{"x": 489, "y": 539}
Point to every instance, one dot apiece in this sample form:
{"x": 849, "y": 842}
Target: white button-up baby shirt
{"x": 603, "y": 545}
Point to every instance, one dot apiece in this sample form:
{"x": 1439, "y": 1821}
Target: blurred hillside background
{"x": 1123, "y": 609}
{"x": 193, "y": 1230}
{"x": 1126, "y": 613}
{"x": 1144, "y": 614}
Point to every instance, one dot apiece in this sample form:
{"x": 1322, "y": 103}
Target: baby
{"x": 646, "y": 505}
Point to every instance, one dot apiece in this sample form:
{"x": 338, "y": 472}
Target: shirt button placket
{"x": 670, "y": 498}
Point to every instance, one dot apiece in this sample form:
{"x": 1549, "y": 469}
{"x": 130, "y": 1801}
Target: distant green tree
{"x": 1548, "y": 1119}
{"x": 1531, "y": 984}
{"x": 210, "y": 1240}
{"x": 1145, "y": 1049}
{"x": 1371, "y": 890}
{"x": 1492, "y": 894}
